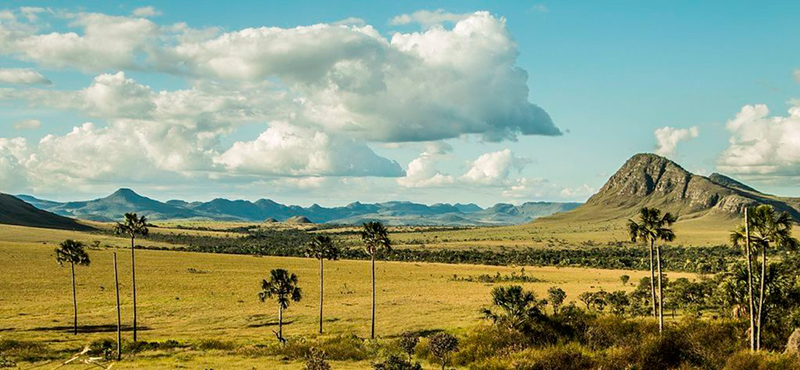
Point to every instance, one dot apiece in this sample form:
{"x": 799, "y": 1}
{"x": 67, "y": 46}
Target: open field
{"x": 217, "y": 299}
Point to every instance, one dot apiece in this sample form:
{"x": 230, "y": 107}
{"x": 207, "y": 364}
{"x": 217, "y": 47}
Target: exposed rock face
{"x": 652, "y": 180}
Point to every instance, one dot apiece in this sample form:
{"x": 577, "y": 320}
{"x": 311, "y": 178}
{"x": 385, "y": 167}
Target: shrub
{"x": 441, "y": 346}
{"x": 315, "y": 360}
{"x": 407, "y": 342}
{"x": 746, "y": 360}
{"x": 212, "y": 344}
{"x": 567, "y": 357}
{"x": 396, "y": 363}
{"x": 337, "y": 348}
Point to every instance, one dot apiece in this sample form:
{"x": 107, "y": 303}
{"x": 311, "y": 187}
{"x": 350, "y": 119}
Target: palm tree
{"x": 651, "y": 228}
{"x": 132, "y": 226}
{"x": 742, "y": 234}
{"x": 375, "y": 237}
{"x": 283, "y": 287}
{"x": 321, "y": 248}
{"x": 768, "y": 229}
{"x": 72, "y": 252}
{"x": 517, "y": 307}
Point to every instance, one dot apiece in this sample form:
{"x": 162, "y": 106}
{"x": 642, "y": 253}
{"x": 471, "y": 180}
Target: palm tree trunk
{"x": 372, "y": 333}
{"x": 749, "y": 254}
{"x": 119, "y": 313}
{"x": 133, "y": 279}
{"x": 321, "y": 290}
{"x": 761, "y": 295}
{"x": 280, "y": 321}
{"x": 74, "y": 301}
{"x": 660, "y": 292}
{"x": 653, "y": 282}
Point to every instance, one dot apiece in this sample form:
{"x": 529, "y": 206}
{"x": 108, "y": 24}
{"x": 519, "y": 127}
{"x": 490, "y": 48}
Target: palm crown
{"x": 322, "y": 247}
{"x": 281, "y": 285}
{"x": 768, "y": 228}
{"x": 132, "y": 225}
{"x": 652, "y": 226}
{"x": 71, "y": 251}
{"x": 375, "y": 236}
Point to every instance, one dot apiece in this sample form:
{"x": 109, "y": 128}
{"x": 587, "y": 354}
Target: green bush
{"x": 746, "y": 360}
{"x": 336, "y": 348}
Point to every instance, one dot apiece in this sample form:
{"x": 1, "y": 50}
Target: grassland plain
{"x": 194, "y": 296}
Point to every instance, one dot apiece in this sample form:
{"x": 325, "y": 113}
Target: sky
{"x": 329, "y": 103}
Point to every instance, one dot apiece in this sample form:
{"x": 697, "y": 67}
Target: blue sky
{"x": 718, "y": 78}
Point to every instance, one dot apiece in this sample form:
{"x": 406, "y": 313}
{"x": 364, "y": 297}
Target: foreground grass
{"x": 191, "y": 297}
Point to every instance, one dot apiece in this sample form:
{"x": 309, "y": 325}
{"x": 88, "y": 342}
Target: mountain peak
{"x": 654, "y": 181}
{"x": 125, "y": 193}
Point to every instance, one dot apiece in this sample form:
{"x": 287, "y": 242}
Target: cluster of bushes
{"x": 498, "y": 278}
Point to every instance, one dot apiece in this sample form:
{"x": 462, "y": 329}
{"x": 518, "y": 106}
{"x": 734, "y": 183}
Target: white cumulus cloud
{"x": 22, "y": 76}
{"x": 292, "y": 151}
{"x": 668, "y": 138}
{"x": 762, "y": 146}
{"x": 493, "y": 168}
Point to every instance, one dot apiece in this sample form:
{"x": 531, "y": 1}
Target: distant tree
{"x": 283, "y": 287}
{"x": 132, "y": 226}
{"x": 442, "y": 345}
{"x": 316, "y": 360}
{"x": 514, "y": 308}
{"x": 624, "y": 279}
{"x": 375, "y": 237}
{"x": 322, "y": 248}
{"x": 73, "y": 252}
{"x": 654, "y": 227}
{"x": 408, "y": 343}
{"x": 556, "y": 296}
{"x": 769, "y": 229}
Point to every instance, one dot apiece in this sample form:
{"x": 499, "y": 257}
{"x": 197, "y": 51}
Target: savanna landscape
{"x": 454, "y": 185}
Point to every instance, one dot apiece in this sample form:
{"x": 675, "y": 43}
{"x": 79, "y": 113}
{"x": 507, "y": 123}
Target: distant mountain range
{"x": 393, "y": 213}
{"x": 654, "y": 181}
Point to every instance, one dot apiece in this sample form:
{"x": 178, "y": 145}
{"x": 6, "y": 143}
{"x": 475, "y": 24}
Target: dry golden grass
{"x": 218, "y": 299}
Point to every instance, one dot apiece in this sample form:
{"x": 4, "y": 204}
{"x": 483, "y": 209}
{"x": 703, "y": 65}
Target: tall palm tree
{"x": 768, "y": 229}
{"x": 738, "y": 236}
{"x": 651, "y": 228}
{"x": 72, "y": 252}
{"x": 132, "y": 226}
{"x": 321, "y": 248}
{"x": 283, "y": 287}
{"x": 375, "y": 237}
{"x": 516, "y": 307}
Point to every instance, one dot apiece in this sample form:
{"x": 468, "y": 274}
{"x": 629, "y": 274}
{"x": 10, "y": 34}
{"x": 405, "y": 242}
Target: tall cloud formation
{"x": 668, "y": 138}
{"x": 763, "y": 147}
{"x": 324, "y": 92}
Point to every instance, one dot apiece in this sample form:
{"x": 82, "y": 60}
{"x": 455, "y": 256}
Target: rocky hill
{"x": 655, "y": 181}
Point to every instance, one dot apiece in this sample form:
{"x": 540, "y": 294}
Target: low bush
{"x": 746, "y": 360}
